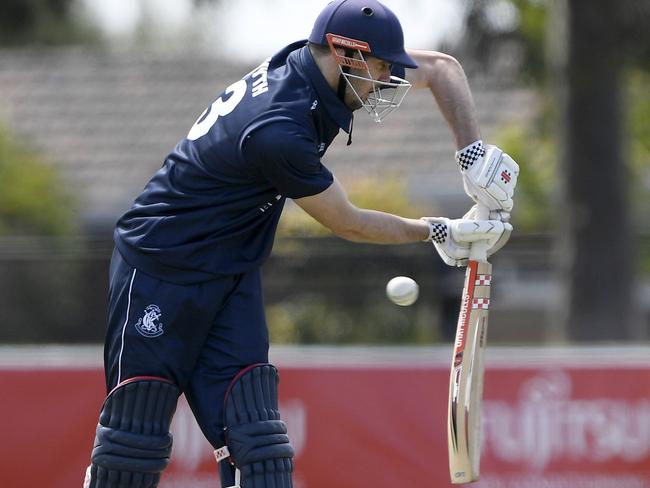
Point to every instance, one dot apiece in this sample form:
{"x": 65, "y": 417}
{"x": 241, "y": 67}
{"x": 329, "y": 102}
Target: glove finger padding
{"x": 453, "y": 255}
{"x": 451, "y": 252}
{"x": 501, "y": 241}
{"x": 467, "y": 231}
{"x": 453, "y": 238}
{"x": 474, "y": 214}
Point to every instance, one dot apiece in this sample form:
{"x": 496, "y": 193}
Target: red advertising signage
{"x": 360, "y": 418}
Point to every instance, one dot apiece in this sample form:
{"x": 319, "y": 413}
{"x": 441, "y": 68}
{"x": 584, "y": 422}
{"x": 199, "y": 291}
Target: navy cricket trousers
{"x": 199, "y": 336}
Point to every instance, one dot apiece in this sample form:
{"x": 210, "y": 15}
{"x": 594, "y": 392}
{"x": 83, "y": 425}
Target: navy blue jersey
{"x": 213, "y": 207}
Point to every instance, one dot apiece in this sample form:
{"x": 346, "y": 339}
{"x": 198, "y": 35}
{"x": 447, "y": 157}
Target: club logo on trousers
{"x": 149, "y": 325}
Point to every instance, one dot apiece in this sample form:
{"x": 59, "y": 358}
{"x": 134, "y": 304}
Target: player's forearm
{"x": 332, "y": 209}
{"x": 445, "y": 77}
{"x": 384, "y": 228}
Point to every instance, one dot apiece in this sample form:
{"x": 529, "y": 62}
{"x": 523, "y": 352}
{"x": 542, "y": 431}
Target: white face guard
{"x": 385, "y": 97}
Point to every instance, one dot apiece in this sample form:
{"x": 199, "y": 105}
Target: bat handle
{"x": 478, "y": 251}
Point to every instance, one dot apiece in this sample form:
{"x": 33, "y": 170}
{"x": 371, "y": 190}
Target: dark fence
{"x": 316, "y": 290}
{"x": 54, "y": 290}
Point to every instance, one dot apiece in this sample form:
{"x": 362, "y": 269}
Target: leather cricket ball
{"x": 402, "y": 290}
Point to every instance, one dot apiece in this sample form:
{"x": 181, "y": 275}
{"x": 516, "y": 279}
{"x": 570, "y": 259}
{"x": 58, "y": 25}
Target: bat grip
{"x": 478, "y": 251}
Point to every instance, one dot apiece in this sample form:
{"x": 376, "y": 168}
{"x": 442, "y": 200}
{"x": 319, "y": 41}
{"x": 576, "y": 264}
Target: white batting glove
{"x": 475, "y": 213}
{"x": 453, "y": 238}
{"x": 489, "y": 176}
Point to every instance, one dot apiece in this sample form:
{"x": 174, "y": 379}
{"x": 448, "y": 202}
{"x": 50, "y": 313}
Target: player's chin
{"x": 355, "y": 104}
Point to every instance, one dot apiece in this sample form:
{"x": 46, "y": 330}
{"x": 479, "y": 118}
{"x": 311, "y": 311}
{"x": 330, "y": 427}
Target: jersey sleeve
{"x": 285, "y": 154}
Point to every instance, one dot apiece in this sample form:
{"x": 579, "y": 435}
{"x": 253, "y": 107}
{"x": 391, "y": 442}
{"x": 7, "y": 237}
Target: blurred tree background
{"x": 42, "y": 22}
{"x": 33, "y": 200}
{"x": 33, "y": 197}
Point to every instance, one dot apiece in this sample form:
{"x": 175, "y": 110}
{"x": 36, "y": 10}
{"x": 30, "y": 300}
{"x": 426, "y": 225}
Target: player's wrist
{"x": 469, "y": 155}
{"x": 438, "y": 229}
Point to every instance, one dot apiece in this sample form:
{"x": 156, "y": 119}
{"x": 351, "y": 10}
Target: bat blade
{"x": 466, "y": 379}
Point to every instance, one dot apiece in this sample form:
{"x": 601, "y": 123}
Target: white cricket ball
{"x": 402, "y": 290}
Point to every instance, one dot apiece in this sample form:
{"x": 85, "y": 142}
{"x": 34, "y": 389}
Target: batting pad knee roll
{"x": 133, "y": 443}
{"x": 256, "y": 437}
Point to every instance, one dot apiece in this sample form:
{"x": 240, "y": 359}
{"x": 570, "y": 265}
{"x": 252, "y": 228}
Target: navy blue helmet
{"x": 368, "y": 21}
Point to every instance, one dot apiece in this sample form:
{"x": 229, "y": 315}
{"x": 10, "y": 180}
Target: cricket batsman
{"x": 186, "y": 314}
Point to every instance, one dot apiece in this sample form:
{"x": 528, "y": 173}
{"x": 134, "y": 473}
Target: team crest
{"x": 149, "y": 325}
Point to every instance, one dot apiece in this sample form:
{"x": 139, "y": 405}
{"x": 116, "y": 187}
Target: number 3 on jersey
{"x": 218, "y": 108}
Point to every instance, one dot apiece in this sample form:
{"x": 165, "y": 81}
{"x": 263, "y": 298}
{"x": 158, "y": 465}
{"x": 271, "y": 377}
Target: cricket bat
{"x": 466, "y": 381}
